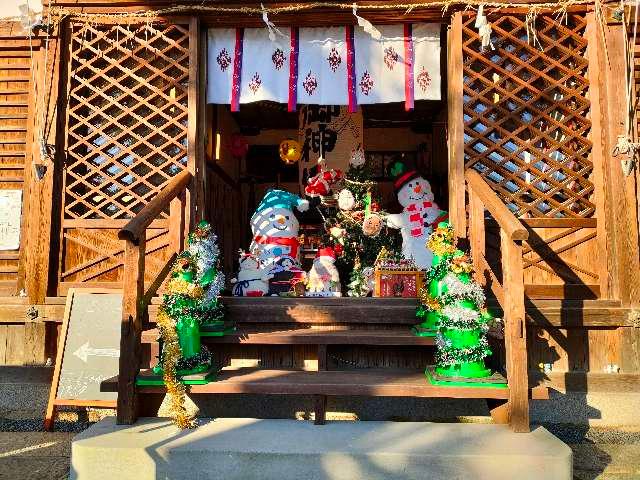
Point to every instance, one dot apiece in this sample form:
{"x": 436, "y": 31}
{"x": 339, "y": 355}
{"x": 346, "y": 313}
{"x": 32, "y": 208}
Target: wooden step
{"x": 312, "y": 336}
{"x": 366, "y": 382}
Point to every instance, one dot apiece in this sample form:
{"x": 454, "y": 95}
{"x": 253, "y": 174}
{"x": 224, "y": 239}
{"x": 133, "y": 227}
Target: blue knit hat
{"x": 282, "y": 199}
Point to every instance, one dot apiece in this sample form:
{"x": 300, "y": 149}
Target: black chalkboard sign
{"x": 88, "y": 350}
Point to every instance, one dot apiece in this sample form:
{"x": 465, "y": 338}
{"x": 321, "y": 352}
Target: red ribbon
{"x": 237, "y": 71}
{"x": 408, "y": 67}
{"x": 351, "y": 70}
{"x": 293, "y": 71}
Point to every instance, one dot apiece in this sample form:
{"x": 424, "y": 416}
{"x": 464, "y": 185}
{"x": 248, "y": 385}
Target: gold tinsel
{"x": 441, "y": 241}
{"x": 428, "y": 301}
{"x": 171, "y": 353}
{"x": 179, "y": 286}
{"x": 461, "y": 264}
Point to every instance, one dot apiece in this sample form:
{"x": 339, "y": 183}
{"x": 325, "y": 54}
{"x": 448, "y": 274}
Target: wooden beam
{"x": 455, "y": 100}
{"x": 131, "y": 330}
{"x": 195, "y": 130}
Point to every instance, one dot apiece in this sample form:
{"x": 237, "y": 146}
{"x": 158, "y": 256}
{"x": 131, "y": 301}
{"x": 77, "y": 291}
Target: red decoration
{"x": 334, "y": 60}
{"x": 239, "y": 145}
{"x": 390, "y": 57}
{"x": 326, "y": 252}
{"x": 223, "y": 59}
{"x": 375, "y": 207}
{"x": 255, "y": 83}
{"x": 366, "y": 83}
{"x": 320, "y": 184}
{"x": 310, "y": 83}
{"x": 278, "y": 58}
{"x": 405, "y": 284}
{"x": 339, "y": 249}
{"x": 424, "y": 80}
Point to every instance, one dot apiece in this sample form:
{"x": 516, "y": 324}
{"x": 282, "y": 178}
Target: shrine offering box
{"x": 398, "y": 283}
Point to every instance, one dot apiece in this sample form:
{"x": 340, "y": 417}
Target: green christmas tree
{"x": 454, "y": 304}
{"x": 355, "y": 227}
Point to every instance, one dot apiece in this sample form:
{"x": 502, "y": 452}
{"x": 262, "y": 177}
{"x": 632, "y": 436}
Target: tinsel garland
{"x": 447, "y": 354}
{"x": 428, "y": 301}
{"x": 171, "y": 354}
{"x": 458, "y": 290}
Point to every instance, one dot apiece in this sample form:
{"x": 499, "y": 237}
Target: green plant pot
{"x": 437, "y": 288}
{"x": 465, "y": 370}
{"x": 431, "y": 320}
{"x": 462, "y": 338}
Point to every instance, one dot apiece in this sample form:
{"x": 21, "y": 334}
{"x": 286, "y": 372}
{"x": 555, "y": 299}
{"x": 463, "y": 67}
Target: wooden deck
{"x": 370, "y": 382}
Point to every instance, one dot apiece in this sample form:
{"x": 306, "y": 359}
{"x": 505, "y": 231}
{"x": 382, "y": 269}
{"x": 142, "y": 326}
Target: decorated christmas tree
{"x": 454, "y": 304}
{"x": 190, "y": 309}
{"x": 355, "y": 226}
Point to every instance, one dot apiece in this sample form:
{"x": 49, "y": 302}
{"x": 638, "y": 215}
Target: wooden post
{"x": 177, "y": 226}
{"x": 456, "y": 127}
{"x": 131, "y": 330}
{"x": 476, "y": 234}
{"x": 42, "y": 193}
{"x": 515, "y": 335}
{"x": 196, "y": 134}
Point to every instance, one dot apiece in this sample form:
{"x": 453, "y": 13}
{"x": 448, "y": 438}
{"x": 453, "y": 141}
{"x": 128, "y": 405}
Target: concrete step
{"x": 246, "y": 449}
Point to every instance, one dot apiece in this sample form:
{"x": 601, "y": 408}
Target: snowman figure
{"x": 252, "y": 279}
{"x": 323, "y": 279}
{"x": 419, "y": 216}
{"x": 275, "y": 227}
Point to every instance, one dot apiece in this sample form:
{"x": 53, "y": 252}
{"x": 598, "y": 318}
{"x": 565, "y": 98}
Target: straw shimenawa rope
{"x": 559, "y": 6}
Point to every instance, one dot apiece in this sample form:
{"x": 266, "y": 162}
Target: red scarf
{"x": 291, "y": 242}
{"x": 415, "y": 217}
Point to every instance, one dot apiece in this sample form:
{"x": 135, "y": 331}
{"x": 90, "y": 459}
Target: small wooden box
{"x": 398, "y": 283}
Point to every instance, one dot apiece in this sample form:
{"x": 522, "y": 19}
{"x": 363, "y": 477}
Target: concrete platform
{"x": 245, "y": 449}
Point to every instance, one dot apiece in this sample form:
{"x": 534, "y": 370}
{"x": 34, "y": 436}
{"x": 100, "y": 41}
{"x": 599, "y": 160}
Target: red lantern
{"x": 239, "y": 145}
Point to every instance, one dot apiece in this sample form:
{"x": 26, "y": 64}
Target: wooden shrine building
{"x": 106, "y": 131}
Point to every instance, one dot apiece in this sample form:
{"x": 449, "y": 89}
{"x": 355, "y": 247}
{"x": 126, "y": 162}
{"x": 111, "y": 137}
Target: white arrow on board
{"x": 85, "y": 350}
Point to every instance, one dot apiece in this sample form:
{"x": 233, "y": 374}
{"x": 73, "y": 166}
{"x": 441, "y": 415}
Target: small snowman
{"x": 275, "y": 227}
{"x": 419, "y": 216}
{"x": 252, "y": 280}
{"x": 323, "y": 279}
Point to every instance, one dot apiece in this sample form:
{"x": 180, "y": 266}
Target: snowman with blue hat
{"x": 275, "y": 227}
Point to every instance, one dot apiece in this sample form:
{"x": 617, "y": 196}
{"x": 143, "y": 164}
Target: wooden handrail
{"x": 136, "y": 227}
{"x": 134, "y": 299}
{"x": 510, "y": 292}
{"x": 509, "y": 223}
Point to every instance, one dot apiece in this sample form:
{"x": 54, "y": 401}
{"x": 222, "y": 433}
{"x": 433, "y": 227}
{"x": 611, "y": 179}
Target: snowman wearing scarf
{"x": 419, "y": 217}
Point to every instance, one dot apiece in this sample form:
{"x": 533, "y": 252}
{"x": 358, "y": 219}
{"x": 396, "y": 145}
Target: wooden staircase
{"x": 328, "y": 324}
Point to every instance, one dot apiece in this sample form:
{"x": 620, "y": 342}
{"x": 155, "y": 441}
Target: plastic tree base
{"x": 149, "y": 377}
{"x": 217, "y": 329}
{"x": 422, "y": 330}
{"x": 493, "y": 381}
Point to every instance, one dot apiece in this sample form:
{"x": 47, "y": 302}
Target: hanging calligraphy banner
{"x": 330, "y": 130}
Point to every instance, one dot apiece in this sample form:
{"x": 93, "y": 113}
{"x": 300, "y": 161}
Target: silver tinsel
{"x": 205, "y": 251}
{"x": 461, "y": 318}
{"x": 458, "y": 290}
{"x": 447, "y": 355}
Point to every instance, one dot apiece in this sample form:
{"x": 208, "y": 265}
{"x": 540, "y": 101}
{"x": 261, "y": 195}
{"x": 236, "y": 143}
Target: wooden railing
{"x": 509, "y": 290}
{"x": 135, "y": 301}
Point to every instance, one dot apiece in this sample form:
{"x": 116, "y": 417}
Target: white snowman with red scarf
{"x": 419, "y": 216}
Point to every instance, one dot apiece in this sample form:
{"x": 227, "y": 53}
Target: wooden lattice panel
{"x": 526, "y": 114}
{"x": 127, "y": 116}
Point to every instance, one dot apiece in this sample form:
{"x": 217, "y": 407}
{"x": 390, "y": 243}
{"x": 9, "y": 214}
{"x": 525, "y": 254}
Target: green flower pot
{"x": 437, "y": 288}
{"x": 464, "y": 277}
{"x": 468, "y": 304}
{"x": 465, "y": 370}
{"x": 462, "y": 338}
{"x": 208, "y": 277}
{"x": 431, "y": 321}
{"x": 189, "y": 337}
